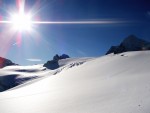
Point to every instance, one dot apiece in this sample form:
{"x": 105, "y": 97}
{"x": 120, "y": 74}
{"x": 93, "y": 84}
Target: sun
{"x": 21, "y": 22}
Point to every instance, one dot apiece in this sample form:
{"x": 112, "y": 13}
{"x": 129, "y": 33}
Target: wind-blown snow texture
{"x": 12, "y": 76}
{"x": 109, "y": 84}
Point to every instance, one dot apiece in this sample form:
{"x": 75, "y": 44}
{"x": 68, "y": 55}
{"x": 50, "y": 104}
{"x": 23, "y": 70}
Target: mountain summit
{"x": 131, "y": 43}
{"x": 54, "y": 64}
{"x": 5, "y": 62}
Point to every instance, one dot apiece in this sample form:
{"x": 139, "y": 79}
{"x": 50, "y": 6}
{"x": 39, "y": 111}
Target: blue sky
{"x": 81, "y": 40}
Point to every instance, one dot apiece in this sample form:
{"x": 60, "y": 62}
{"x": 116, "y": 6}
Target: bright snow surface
{"x": 110, "y": 84}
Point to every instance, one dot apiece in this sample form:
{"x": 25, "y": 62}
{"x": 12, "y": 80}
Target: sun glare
{"x": 21, "y": 22}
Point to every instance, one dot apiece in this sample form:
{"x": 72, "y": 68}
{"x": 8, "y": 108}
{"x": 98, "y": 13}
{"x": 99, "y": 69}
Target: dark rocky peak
{"x": 63, "y": 56}
{"x": 134, "y": 41}
{"x": 5, "y": 62}
{"x": 54, "y": 64}
{"x": 131, "y": 38}
{"x": 131, "y": 43}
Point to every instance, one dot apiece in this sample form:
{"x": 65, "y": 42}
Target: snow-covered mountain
{"x": 12, "y": 76}
{"x": 131, "y": 43}
{"x": 115, "y": 83}
{"x": 54, "y": 64}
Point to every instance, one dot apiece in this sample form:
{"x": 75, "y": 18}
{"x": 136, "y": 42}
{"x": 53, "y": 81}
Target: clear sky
{"x": 76, "y": 40}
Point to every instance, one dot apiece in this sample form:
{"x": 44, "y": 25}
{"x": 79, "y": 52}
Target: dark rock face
{"x": 5, "y": 62}
{"x": 53, "y": 64}
{"x": 57, "y": 57}
{"x": 64, "y": 56}
{"x": 131, "y": 43}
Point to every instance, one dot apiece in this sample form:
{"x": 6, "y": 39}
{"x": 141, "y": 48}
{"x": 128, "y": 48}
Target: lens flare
{"x": 21, "y": 22}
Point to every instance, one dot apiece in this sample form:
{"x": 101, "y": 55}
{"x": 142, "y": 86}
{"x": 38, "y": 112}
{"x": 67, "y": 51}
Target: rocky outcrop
{"x": 5, "y": 62}
{"x": 53, "y": 64}
{"x": 131, "y": 43}
{"x": 63, "y": 56}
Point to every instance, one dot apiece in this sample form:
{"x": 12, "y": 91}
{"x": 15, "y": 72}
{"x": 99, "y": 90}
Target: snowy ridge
{"x": 12, "y": 76}
{"x": 109, "y": 84}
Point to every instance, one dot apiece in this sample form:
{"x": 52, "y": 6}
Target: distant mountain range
{"x": 131, "y": 43}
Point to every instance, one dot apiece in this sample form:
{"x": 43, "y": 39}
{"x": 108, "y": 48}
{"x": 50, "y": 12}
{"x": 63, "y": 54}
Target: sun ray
{"x": 20, "y": 5}
{"x": 70, "y": 22}
{"x": 75, "y": 22}
{"x": 6, "y": 43}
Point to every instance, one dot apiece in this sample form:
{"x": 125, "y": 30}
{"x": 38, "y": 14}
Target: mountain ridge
{"x": 130, "y": 43}
{"x": 108, "y": 84}
{"x": 5, "y": 62}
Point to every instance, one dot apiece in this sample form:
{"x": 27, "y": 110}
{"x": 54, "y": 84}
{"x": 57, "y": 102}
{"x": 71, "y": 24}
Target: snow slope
{"x": 110, "y": 84}
{"x": 12, "y": 76}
